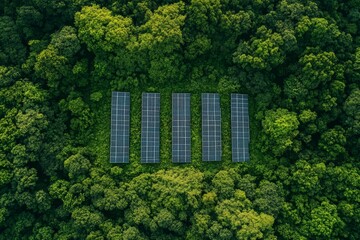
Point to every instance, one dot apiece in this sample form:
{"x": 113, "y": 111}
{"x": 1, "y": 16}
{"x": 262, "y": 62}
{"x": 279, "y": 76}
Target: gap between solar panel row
{"x": 181, "y": 127}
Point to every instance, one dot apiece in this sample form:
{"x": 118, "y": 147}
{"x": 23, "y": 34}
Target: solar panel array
{"x": 211, "y": 127}
{"x": 181, "y": 127}
{"x": 181, "y": 132}
{"x": 120, "y": 124}
{"x": 150, "y": 128}
{"x": 240, "y": 133}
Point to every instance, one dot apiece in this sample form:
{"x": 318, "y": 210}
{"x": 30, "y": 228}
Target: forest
{"x": 298, "y": 60}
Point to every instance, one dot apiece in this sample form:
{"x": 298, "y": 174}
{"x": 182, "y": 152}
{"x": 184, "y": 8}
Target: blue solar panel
{"x": 240, "y": 132}
{"x": 150, "y": 128}
{"x": 211, "y": 127}
{"x": 120, "y": 124}
{"x": 181, "y": 132}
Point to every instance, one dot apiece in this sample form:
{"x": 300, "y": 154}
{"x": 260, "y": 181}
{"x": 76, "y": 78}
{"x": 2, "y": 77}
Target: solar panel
{"x": 240, "y": 133}
{"x": 211, "y": 127}
{"x": 150, "y": 128}
{"x": 120, "y": 124}
{"x": 181, "y": 133}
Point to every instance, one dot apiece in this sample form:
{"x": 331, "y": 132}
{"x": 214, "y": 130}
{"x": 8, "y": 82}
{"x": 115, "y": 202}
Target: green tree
{"x": 317, "y": 32}
{"x": 77, "y": 166}
{"x": 52, "y": 66}
{"x": 268, "y": 198}
{"x": 306, "y": 178}
{"x": 29, "y": 21}
{"x": 101, "y": 31}
{"x": 263, "y": 52}
{"x": 332, "y": 142}
{"x": 352, "y": 110}
{"x": 319, "y": 71}
{"x": 161, "y": 37}
{"x": 280, "y": 129}
{"x": 8, "y": 75}
{"x": 12, "y": 51}
{"x": 108, "y": 37}
{"x": 86, "y": 217}
{"x": 66, "y": 42}
{"x": 204, "y": 16}
{"x": 323, "y": 221}
{"x": 223, "y": 184}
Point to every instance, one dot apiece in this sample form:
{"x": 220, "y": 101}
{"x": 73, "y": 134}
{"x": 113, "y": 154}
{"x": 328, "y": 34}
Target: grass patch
{"x": 99, "y": 141}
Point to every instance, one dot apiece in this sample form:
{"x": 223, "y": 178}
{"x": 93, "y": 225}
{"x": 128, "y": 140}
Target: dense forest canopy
{"x": 299, "y": 61}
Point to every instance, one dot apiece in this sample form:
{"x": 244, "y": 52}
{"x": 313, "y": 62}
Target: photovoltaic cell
{"x": 120, "y": 124}
{"x": 181, "y": 133}
{"x": 240, "y": 133}
{"x": 211, "y": 127}
{"x": 150, "y": 128}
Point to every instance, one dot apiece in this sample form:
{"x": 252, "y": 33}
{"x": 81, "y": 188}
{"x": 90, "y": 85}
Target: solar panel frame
{"x": 181, "y": 132}
{"x": 120, "y": 127}
{"x": 150, "y": 128}
{"x": 240, "y": 129}
{"x": 211, "y": 127}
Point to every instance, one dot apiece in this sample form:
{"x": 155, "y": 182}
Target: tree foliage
{"x": 299, "y": 61}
